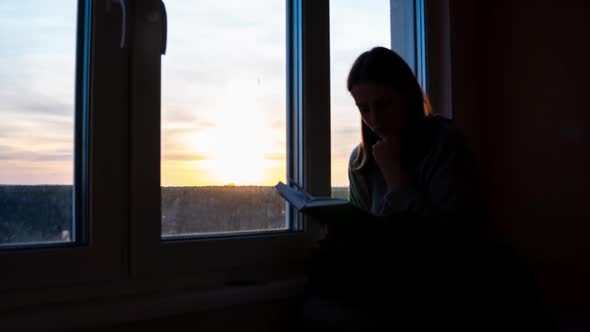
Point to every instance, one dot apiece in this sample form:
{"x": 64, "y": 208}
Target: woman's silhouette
{"x": 427, "y": 257}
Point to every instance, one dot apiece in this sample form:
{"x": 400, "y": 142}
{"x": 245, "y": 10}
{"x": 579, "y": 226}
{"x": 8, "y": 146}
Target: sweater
{"x": 444, "y": 180}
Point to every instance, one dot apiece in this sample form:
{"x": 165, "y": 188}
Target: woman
{"x": 427, "y": 253}
{"x": 409, "y": 162}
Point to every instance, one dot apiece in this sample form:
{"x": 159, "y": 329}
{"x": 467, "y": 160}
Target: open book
{"x": 327, "y": 209}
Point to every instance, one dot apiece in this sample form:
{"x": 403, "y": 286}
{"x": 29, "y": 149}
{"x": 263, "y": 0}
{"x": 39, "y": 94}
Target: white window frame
{"x": 101, "y": 258}
{"x": 420, "y": 28}
{"x": 219, "y": 260}
{"x": 125, "y": 256}
{"x": 408, "y": 35}
{"x": 438, "y": 41}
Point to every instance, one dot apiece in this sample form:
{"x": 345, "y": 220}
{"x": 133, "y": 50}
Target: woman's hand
{"x": 386, "y": 153}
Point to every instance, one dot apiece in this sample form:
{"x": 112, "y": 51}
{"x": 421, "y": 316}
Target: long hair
{"x": 383, "y": 66}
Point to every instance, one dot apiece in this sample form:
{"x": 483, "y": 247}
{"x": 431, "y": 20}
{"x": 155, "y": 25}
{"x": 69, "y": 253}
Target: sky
{"x": 223, "y": 89}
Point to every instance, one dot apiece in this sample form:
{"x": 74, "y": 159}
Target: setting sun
{"x": 237, "y": 150}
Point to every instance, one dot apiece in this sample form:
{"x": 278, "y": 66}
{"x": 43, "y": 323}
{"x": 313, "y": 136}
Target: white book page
{"x": 295, "y": 197}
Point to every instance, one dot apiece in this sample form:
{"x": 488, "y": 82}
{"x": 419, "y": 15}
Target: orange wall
{"x": 520, "y": 90}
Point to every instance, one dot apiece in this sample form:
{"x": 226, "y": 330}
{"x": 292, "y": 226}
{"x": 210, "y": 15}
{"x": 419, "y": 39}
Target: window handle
{"x": 156, "y": 11}
{"x": 123, "y": 6}
{"x": 164, "y": 28}
{"x": 123, "y": 23}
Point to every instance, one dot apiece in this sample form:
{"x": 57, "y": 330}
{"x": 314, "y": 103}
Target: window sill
{"x": 126, "y": 307}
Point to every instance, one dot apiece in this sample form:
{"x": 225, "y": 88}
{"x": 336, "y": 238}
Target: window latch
{"x": 123, "y": 23}
{"x": 156, "y": 12}
{"x": 152, "y": 15}
{"x": 123, "y": 6}
{"x": 164, "y": 28}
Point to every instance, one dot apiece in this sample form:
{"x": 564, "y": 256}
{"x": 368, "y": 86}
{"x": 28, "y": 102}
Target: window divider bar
{"x": 408, "y": 35}
{"x": 315, "y": 80}
{"x": 294, "y": 103}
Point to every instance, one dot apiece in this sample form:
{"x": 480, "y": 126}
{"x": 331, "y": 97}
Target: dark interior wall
{"x": 520, "y": 85}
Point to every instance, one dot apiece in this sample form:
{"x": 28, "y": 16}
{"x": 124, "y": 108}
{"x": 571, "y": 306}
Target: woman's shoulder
{"x": 448, "y": 142}
{"x": 355, "y": 156}
{"x": 358, "y": 160}
{"x": 438, "y": 124}
{"x": 443, "y": 132}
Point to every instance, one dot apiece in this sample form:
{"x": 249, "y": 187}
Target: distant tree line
{"x": 187, "y": 210}
{"x": 44, "y": 213}
{"x": 35, "y": 213}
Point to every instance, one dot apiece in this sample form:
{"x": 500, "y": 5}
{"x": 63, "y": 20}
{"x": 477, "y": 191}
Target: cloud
{"x": 53, "y": 157}
{"x": 276, "y": 156}
{"x": 9, "y": 153}
{"x": 346, "y": 132}
{"x": 36, "y": 130}
{"x": 178, "y": 115}
{"x": 31, "y": 102}
{"x": 184, "y": 156}
{"x": 344, "y": 139}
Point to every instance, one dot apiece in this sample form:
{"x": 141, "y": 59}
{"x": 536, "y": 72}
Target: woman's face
{"x": 382, "y": 108}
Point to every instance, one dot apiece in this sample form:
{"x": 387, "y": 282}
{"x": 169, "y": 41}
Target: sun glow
{"x": 239, "y": 150}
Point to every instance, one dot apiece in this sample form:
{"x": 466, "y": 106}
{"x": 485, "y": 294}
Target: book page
{"x": 294, "y": 197}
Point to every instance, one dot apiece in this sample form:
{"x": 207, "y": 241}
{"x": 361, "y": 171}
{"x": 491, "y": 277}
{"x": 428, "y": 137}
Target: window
{"x": 135, "y": 144}
{"x": 223, "y": 118}
{"x": 355, "y": 27}
{"x": 209, "y": 138}
{"x": 63, "y": 142}
{"x": 37, "y": 62}
{"x": 408, "y": 35}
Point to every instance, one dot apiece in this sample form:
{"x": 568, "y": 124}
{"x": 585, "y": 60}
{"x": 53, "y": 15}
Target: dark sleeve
{"x": 449, "y": 183}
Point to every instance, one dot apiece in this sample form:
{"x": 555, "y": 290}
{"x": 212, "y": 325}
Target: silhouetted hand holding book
{"x": 328, "y": 210}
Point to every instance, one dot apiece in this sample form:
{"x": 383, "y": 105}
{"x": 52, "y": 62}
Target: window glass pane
{"x": 37, "y": 80}
{"x": 355, "y": 27}
{"x": 223, "y": 117}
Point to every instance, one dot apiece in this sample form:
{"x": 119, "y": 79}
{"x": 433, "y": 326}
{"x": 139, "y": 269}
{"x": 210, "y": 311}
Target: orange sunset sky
{"x": 223, "y": 89}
